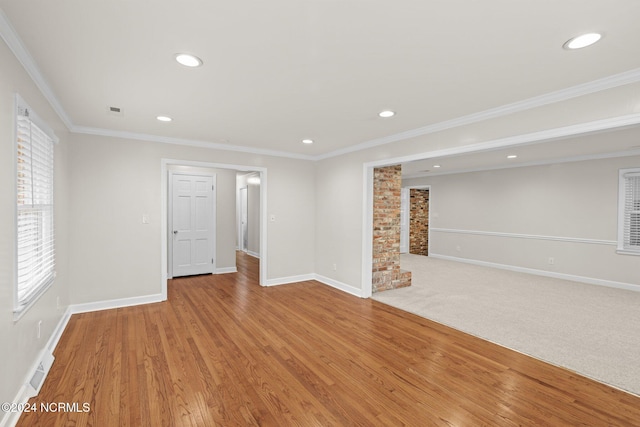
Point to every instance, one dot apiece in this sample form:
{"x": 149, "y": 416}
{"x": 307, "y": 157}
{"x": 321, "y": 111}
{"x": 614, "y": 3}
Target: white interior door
{"x": 193, "y": 225}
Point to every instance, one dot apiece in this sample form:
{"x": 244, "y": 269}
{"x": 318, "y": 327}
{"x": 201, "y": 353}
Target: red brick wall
{"x": 387, "y": 184}
{"x": 419, "y": 222}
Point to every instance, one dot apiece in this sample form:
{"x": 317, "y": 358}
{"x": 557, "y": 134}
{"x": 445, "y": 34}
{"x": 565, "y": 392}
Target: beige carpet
{"x": 592, "y": 330}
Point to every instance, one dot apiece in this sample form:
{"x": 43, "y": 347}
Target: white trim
{"x": 20, "y": 311}
{"x": 581, "y": 279}
{"x": 185, "y": 142}
{"x": 517, "y": 140}
{"x": 291, "y": 279}
{"x": 525, "y": 236}
{"x": 57, "y": 332}
{"x": 225, "y": 270}
{"x": 253, "y": 254}
{"x": 617, "y": 154}
{"x": 116, "y": 303}
{"x": 15, "y": 44}
{"x": 367, "y": 231}
{"x": 627, "y": 252}
{"x": 318, "y": 278}
{"x": 340, "y": 286}
{"x": 20, "y": 104}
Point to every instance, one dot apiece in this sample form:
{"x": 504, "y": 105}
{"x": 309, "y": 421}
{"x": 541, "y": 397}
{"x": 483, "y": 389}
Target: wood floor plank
{"x": 224, "y": 351}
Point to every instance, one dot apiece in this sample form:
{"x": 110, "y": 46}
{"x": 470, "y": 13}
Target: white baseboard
{"x": 253, "y": 254}
{"x": 555, "y": 275}
{"x": 57, "y": 332}
{"x": 226, "y": 270}
{"x": 319, "y": 278}
{"x": 339, "y": 285}
{"x": 291, "y": 279}
{"x": 115, "y": 303}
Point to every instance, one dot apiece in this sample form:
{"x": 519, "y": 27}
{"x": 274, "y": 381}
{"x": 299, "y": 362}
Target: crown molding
{"x": 10, "y": 36}
{"x": 571, "y": 159}
{"x": 182, "y": 141}
{"x": 15, "y": 44}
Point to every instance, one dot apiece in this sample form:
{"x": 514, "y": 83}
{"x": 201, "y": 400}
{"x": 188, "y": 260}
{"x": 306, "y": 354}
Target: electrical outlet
{"x": 552, "y": 261}
{"x": 335, "y": 267}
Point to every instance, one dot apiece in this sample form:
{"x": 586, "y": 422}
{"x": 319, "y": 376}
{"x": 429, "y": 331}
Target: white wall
{"x": 567, "y": 212}
{"x": 20, "y": 347}
{"x": 115, "y": 181}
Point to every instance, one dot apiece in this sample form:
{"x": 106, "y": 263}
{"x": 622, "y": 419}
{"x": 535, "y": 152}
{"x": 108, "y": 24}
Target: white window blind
{"x": 629, "y": 232}
{"x": 35, "y": 227}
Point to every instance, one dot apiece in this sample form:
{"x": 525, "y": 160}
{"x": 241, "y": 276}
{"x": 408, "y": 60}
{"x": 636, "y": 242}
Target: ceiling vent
{"x": 115, "y": 111}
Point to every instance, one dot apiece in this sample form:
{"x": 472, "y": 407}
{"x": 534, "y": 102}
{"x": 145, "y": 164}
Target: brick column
{"x": 387, "y": 184}
{"x": 419, "y": 222}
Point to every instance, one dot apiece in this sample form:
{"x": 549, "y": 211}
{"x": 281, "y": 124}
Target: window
{"x": 629, "y": 212}
{"x": 35, "y": 248}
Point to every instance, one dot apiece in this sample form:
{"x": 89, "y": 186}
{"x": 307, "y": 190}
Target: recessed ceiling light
{"x": 164, "y": 118}
{"x": 512, "y": 156}
{"x": 188, "y": 60}
{"x": 387, "y": 113}
{"x": 436, "y": 166}
{"x": 307, "y": 141}
{"x": 582, "y": 41}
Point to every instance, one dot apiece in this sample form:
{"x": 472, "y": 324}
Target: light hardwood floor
{"x": 224, "y": 351}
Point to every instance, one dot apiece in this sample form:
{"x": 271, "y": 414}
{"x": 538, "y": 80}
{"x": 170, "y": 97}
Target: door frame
{"x": 164, "y": 192}
{"x": 169, "y": 228}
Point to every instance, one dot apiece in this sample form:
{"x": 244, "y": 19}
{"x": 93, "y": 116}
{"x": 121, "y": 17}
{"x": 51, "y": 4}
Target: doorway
{"x": 191, "y": 167}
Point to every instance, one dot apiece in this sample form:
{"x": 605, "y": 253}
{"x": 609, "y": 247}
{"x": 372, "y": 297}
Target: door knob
{"x": 175, "y": 231}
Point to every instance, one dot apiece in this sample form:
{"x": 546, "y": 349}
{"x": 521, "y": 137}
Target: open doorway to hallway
{"x": 226, "y": 215}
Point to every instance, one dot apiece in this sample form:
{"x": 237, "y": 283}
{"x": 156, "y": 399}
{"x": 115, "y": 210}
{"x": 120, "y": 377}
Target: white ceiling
{"x": 276, "y": 72}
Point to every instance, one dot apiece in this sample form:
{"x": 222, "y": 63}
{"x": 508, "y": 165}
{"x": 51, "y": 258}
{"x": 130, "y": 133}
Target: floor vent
{"x": 40, "y": 374}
